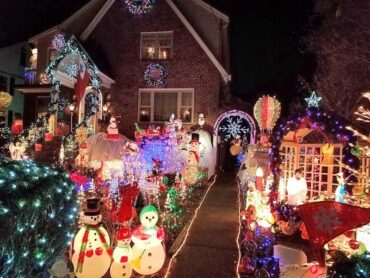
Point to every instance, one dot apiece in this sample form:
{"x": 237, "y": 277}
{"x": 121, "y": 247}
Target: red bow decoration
{"x": 327, "y": 220}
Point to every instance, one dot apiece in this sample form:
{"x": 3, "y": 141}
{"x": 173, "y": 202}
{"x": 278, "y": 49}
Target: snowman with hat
{"x": 191, "y": 171}
{"x": 92, "y": 252}
{"x": 148, "y": 252}
{"x": 122, "y": 255}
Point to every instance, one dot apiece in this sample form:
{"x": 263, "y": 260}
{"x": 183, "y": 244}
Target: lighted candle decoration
{"x": 259, "y": 179}
{"x": 164, "y": 54}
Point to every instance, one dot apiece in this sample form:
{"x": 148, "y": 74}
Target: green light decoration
{"x": 356, "y": 266}
{"x": 173, "y": 215}
{"x": 38, "y": 217}
{"x": 313, "y": 100}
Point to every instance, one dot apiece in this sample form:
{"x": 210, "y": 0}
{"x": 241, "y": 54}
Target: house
{"x": 185, "y": 40}
{"x": 147, "y": 59}
{"x": 13, "y": 58}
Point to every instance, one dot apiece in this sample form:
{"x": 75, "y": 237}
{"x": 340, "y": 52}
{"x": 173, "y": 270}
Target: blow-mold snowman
{"x": 122, "y": 255}
{"x": 148, "y": 252}
{"x": 92, "y": 253}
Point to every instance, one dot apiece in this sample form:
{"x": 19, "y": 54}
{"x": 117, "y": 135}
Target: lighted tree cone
{"x": 122, "y": 255}
{"x": 92, "y": 254}
{"x": 148, "y": 252}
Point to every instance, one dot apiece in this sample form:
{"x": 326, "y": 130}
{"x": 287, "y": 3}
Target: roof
{"x": 107, "y": 4}
{"x": 225, "y": 75}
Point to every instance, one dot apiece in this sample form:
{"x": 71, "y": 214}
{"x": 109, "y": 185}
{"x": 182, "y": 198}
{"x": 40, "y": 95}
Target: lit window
{"x": 156, "y": 105}
{"x": 156, "y": 46}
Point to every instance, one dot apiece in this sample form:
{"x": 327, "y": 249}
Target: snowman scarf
{"x": 81, "y": 256}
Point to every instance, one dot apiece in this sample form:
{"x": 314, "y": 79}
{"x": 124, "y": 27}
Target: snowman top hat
{"x": 93, "y": 207}
{"x": 123, "y": 233}
{"x": 194, "y": 138}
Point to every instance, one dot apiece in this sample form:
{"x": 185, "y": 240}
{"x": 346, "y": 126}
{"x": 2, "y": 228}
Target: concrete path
{"x": 210, "y": 249}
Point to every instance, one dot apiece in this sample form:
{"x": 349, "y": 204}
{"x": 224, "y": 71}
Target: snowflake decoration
{"x": 233, "y": 128}
{"x": 313, "y": 100}
{"x": 138, "y": 7}
{"x": 58, "y": 41}
{"x": 326, "y": 221}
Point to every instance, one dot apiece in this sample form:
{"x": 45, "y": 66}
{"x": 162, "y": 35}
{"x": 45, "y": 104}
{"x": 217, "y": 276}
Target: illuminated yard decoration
{"x": 233, "y": 127}
{"x": 331, "y": 127}
{"x": 137, "y": 7}
{"x": 267, "y": 111}
{"x": 38, "y": 215}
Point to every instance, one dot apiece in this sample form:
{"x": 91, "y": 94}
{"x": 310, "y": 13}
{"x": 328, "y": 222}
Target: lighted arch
{"x": 241, "y": 114}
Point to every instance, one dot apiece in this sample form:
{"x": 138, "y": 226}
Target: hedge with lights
{"x": 38, "y": 216}
{"x": 331, "y": 125}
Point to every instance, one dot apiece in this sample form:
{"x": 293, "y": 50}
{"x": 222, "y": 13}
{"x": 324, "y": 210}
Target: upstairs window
{"x": 156, "y": 46}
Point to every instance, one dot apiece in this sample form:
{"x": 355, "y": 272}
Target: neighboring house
{"x": 13, "y": 59}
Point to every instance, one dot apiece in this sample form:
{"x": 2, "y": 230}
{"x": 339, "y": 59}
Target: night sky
{"x": 266, "y": 47}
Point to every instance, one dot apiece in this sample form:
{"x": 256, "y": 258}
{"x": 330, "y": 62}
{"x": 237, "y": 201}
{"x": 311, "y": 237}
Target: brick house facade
{"x": 118, "y": 36}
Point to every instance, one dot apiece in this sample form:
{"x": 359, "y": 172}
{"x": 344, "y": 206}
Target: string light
{"x": 31, "y": 198}
{"x": 188, "y": 230}
{"x": 238, "y": 235}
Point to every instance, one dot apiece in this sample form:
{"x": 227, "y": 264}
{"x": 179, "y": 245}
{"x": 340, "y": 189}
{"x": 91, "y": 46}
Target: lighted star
{"x": 313, "y": 100}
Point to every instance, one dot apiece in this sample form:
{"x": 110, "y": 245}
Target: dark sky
{"x": 265, "y": 37}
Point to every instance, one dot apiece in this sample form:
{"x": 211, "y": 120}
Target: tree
{"x": 343, "y": 55}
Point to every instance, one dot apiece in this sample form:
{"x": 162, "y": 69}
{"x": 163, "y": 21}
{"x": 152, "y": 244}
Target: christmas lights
{"x": 38, "y": 215}
{"x": 328, "y": 123}
{"x": 138, "y": 7}
{"x": 155, "y": 75}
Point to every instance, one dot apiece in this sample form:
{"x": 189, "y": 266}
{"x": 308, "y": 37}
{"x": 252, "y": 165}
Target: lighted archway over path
{"x": 229, "y": 114}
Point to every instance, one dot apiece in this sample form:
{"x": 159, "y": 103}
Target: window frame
{"x": 50, "y": 49}
{"x": 178, "y": 91}
{"x": 156, "y": 53}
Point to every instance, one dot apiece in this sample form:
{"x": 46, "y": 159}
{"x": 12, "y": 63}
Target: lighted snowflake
{"x": 326, "y": 220}
{"x": 233, "y": 128}
{"x": 72, "y": 65}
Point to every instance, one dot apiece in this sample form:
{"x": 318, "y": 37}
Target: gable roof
{"x": 106, "y": 80}
{"x": 91, "y": 5}
{"x": 224, "y": 74}
{"x": 108, "y": 4}
{"x": 213, "y": 10}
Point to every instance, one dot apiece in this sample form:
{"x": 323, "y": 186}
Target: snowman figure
{"x": 112, "y": 129}
{"x": 122, "y": 255}
{"x": 92, "y": 253}
{"x": 148, "y": 252}
{"x": 191, "y": 171}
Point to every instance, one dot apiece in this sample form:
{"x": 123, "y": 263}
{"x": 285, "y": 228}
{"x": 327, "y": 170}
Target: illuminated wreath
{"x": 139, "y": 6}
{"x": 155, "y": 75}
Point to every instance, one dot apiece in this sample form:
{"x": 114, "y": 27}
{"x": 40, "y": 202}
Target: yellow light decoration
{"x": 112, "y": 168}
{"x": 5, "y": 100}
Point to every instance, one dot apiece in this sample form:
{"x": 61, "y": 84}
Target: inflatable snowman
{"x": 92, "y": 253}
{"x": 122, "y": 255}
{"x": 148, "y": 252}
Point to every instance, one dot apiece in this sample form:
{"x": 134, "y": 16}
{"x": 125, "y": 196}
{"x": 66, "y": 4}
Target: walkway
{"x": 210, "y": 249}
